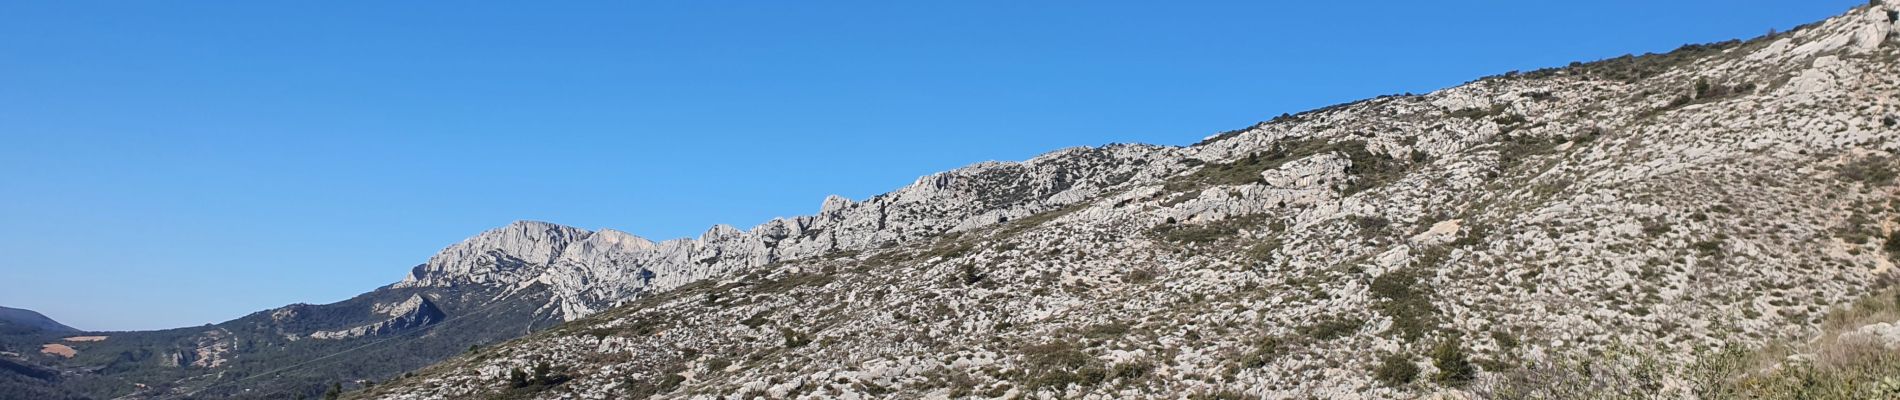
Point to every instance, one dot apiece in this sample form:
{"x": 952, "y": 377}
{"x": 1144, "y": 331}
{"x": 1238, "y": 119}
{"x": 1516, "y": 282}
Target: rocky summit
{"x": 1714, "y": 222}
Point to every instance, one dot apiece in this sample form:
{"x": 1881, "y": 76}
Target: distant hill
{"x": 15, "y": 320}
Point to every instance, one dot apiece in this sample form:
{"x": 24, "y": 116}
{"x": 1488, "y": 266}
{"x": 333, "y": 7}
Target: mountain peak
{"x": 500, "y": 255}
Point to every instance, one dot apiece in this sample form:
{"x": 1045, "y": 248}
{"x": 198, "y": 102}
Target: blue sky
{"x": 168, "y": 164}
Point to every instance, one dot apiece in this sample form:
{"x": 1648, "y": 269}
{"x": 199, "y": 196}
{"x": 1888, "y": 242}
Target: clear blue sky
{"x": 169, "y": 164}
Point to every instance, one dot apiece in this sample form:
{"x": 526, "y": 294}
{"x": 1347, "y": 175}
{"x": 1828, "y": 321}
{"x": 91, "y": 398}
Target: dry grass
{"x": 59, "y": 350}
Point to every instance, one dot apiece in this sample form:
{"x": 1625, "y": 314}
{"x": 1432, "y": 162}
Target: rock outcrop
{"x": 414, "y": 313}
{"x": 589, "y": 271}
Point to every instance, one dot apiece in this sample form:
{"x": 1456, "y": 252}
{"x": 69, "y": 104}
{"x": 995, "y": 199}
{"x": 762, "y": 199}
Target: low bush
{"x": 1333, "y": 328}
{"x": 1407, "y": 301}
{"x": 1869, "y": 170}
{"x": 1453, "y": 368}
{"x": 1396, "y": 370}
{"x": 794, "y": 339}
{"x": 1057, "y": 365}
{"x": 1264, "y": 351}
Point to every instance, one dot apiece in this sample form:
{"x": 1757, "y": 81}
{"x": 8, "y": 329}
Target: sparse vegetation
{"x": 641, "y": 389}
{"x": 1893, "y": 245}
{"x": 1514, "y": 149}
{"x": 1632, "y": 68}
{"x": 1142, "y": 275}
{"x": 540, "y": 377}
{"x": 1333, "y": 328}
{"x": 1475, "y": 113}
{"x": 1263, "y": 251}
{"x": 968, "y": 275}
{"x": 1405, "y": 298}
{"x": 1106, "y": 331}
{"x": 1264, "y": 351}
{"x": 1058, "y": 365}
{"x": 1369, "y": 170}
{"x": 1873, "y": 170}
{"x": 1207, "y": 232}
{"x": 794, "y": 339}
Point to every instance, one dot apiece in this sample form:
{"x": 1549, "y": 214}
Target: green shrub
{"x": 1453, "y": 368}
{"x": 1143, "y": 274}
{"x": 1132, "y": 370}
{"x": 1893, "y": 245}
{"x": 1406, "y": 300}
{"x": 1371, "y": 223}
{"x": 1369, "y": 170}
{"x": 1264, "y": 352}
{"x": 1333, "y": 328}
{"x": 1396, "y": 370}
{"x": 1218, "y": 395}
{"x": 1208, "y": 232}
{"x": 1192, "y": 233}
{"x": 645, "y": 389}
{"x": 1870, "y": 170}
{"x": 1632, "y": 68}
{"x": 1105, "y": 331}
{"x": 1505, "y": 340}
{"x": 969, "y": 275}
{"x": 541, "y": 372}
{"x": 1478, "y": 113}
{"x": 516, "y": 378}
{"x": 539, "y": 378}
{"x": 1709, "y": 247}
{"x": 1057, "y": 365}
{"x": 1248, "y": 169}
{"x": 756, "y": 320}
{"x": 1514, "y": 149}
{"x": 1264, "y": 250}
{"x": 794, "y": 339}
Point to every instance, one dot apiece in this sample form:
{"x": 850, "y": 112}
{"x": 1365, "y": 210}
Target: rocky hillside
{"x": 590, "y": 271}
{"x": 513, "y": 280}
{"x": 1591, "y": 230}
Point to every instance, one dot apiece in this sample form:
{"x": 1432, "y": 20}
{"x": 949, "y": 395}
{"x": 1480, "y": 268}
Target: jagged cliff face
{"x": 1720, "y": 194}
{"x": 589, "y": 271}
